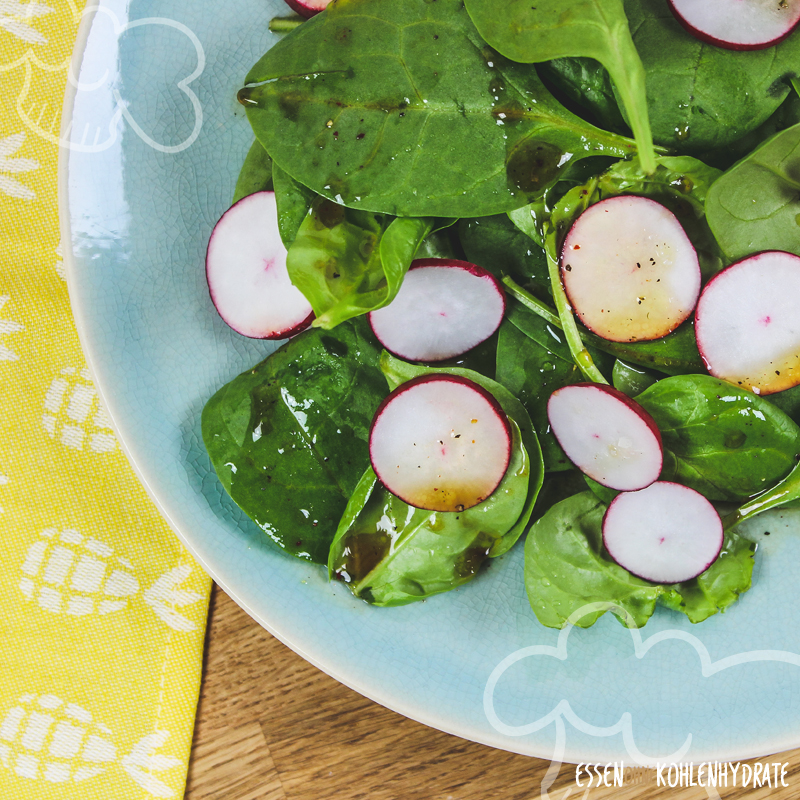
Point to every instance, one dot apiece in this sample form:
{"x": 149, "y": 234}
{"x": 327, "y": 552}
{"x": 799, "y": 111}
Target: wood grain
{"x": 272, "y": 727}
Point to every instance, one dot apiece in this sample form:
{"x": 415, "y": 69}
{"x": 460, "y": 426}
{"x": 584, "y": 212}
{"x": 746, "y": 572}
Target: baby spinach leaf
{"x": 755, "y": 205}
{"x": 382, "y": 105}
{"x": 724, "y": 158}
{"x": 567, "y": 567}
{"x": 557, "y": 486}
{"x": 531, "y": 219}
{"x": 601, "y": 492}
{"x": 674, "y": 354}
{"x": 788, "y": 401}
{"x": 588, "y": 85}
{"x": 349, "y": 262}
{"x": 632, "y": 380}
{"x": 552, "y": 29}
{"x": 390, "y": 553}
{"x": 225, "y": 422}
{"x": 532, "y": 372}
{"x": 293, "y": 201}
{"x": 782, "y": 494}
{"x": 256, "y": 173}
{"x": 288, "y": 438}
{"x": 441, "y": 243}
{"x": 496, "y": 244}
{"x": 699, "y": 95}
{"x": 719, "y": 439}
{"x": 398, "y": 372}
{"x": 719, "y": 586}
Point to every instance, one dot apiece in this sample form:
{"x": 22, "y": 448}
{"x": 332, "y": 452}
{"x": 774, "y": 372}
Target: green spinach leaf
{"x": 557, "y": 486}
{"x": 382, "y": 106}
{"x": 398, "y": 372}
{"x": 725, "y": 442}
{"x": 288, "y": 439}
{"x": 552, "y": 29}
{"x": 588, "y": 85}
{"x": 719, "y": 586}
{"x": 349, "y": 262}
{"x": 496, "y": 244}
{"x": 786, "y": 494}
{"x": 632, "y": 380}
{"x": 567, "y": 568}
{"x": 701, "y": 96}
{"x": 293, "y": 201}
{"x": 674, "y": 354}
{"x": 755, "y": 205}
{"x": 256, "y": 173}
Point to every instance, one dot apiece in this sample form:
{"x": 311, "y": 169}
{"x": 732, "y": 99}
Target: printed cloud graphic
{"x": 43, "y": 120}
{"x": 563, "y": 712}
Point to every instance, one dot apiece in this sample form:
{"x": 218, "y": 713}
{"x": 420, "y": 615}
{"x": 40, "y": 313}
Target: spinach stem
{"x": 785, "y": 491}
{"x": 580, "y": 355}
{"x": 795, "y": 84}
{"x": 531, "y": 302}
{"x": 285, "y": 24}
{"x": 629, "y": 81}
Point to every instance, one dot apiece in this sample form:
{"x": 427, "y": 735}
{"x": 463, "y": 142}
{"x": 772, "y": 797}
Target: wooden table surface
{"x": 272, "y": 727}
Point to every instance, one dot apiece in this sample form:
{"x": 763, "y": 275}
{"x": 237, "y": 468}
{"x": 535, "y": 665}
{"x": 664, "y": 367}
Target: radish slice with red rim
{"x": 608, "y": 436}
{"x": 629, "y": 269}
{"x": 443, "y": 309}
{"x": 440, "y": 442}
{"x": 247, "y": 276}
{"x": 738, "y": 25}
{"x": 747, "y": 324}
{"x": 666, "y": 533}
{"x": 307, "y": 8}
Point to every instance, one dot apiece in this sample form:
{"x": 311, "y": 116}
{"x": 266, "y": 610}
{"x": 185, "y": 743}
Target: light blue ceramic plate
{"x": 154, "y": 148}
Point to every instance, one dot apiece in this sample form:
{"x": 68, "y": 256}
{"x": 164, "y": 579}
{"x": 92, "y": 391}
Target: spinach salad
{"x": 439, "y": 131}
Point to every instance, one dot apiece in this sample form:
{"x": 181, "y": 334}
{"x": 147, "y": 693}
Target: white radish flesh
{"x": 307, "y": 8}
{"x": 608, "y": 436}
{"x": 247, "y": 276}
{"x": 440, "y": 442}
{"x": 748, "y": 326}
{"x": 738, "y": 24}
{"x": 629, "y": 269}
{"x": 666, "y": 533}
{"x": 443, "y": 309}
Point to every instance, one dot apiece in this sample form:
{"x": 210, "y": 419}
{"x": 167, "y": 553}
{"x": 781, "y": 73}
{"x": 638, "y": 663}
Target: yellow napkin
{"x": 102, "y": 611}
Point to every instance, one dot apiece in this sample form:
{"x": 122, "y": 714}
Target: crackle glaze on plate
{"x": 149, "y": 164}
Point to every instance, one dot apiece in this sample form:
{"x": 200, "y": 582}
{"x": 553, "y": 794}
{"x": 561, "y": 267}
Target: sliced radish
{"x": 440, "y": 442}
{"x": 608, "y": 436}
{"x": 444, "y": 308}
{"x": 747, "y": 324}
{"x": 629, "y": 269}
{"x": 247, "y": 276}
{"x": 307, "y": 8}
{"x": 666, "y": 533}
{"x": 738, "y": 24}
